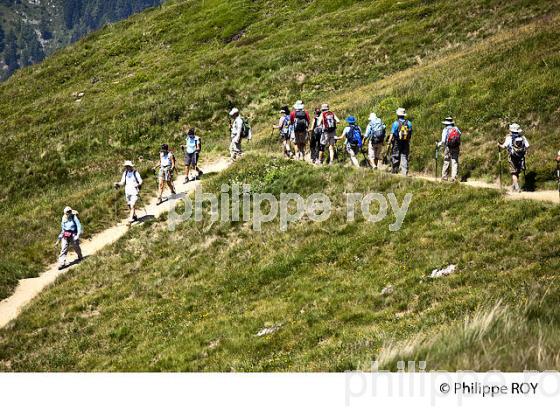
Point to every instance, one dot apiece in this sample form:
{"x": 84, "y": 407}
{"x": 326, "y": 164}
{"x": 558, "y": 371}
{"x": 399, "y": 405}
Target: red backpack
{"x": 454, "y": 137}
{"x": 329, "y": 121}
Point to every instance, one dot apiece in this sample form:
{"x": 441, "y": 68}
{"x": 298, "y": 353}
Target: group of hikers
{"x": 297, "y": 129}
{"x": 131, "y": 180}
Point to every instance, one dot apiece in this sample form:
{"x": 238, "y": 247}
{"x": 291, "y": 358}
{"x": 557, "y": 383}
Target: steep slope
{"x": 201, "y": 296}
{"x": 191, "y": 61}
{"x": 31, "y": 30}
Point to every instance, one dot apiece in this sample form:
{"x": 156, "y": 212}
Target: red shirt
{"x": 293, "y": 117}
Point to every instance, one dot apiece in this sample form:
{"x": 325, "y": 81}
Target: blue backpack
{"x": 354, "y": 136}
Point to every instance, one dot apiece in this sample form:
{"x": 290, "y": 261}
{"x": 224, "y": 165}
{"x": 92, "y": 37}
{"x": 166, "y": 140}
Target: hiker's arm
{"x": 120, "y": 183}
{"x": 139, "y": 178}
{"x": 78, "y": 227}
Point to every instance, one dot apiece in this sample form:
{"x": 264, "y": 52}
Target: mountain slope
{"x": 196, "y": 298}
{"x": 31, "y": 30}
{"x": 192, "y": 61}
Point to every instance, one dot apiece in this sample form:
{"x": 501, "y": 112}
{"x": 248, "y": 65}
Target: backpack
{"x": 378, "y": 132}
{"x": 518, "y": 148}
{"x": 285, "y": 125}
{"x": 300, "y": 121}
{"x": 245, "y": 129}
{"x": 135, "y": 178}
{"x": 404, "y": 131}
{"x": 453, "y": 137}
{"x": 354, "y": 136}
{"x": 329, "y": 121}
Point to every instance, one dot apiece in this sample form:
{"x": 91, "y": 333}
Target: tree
{"x": 2, "y": 44}
{"x": 11, "y": 54}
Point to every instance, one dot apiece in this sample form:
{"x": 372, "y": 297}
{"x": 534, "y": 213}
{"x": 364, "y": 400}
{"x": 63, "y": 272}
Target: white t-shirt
{"x": 131, "y": 184}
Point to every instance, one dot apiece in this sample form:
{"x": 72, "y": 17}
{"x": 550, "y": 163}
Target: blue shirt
{"x": 192, "y": 144}
{"x": 396, "y": 125}
{"x": 71, "y": 224}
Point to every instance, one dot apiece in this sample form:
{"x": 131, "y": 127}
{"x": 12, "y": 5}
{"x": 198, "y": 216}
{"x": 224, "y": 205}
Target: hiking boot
{"x": 60, "y": 267}
{"x": 134, "y": 218}
{"x": 159, "y": 201}
{"x": 187, "y": 180}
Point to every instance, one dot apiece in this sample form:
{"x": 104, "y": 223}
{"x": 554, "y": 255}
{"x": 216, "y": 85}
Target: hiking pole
{"x": 558, "y": 175}
{"x": 436, "y": 158}
{"x": 500, "y": 165}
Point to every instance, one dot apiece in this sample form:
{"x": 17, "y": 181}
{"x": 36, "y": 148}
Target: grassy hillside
{"x": 486, "y": 62}
{"x": 195, "y": 299}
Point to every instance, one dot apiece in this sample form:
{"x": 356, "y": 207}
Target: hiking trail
{"x": 29, "y": 288}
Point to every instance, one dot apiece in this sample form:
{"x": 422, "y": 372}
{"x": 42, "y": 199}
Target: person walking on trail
{"x": 283, "y": 128}
{"x": 166, "y": 167}
{"x": 451, "y": 141}
{"x": 192, "y": 149}
{"x": 401, "y": 133}
{"x": 315, "y": 142}
{"x": 353, "y": 139}
{"x": 71, "y": 230}
{"x": 132, "y": 182}
{"x": 517, "y": 146}
{"x": 299, "y": 122}
{"x": 328, "y": 123}
{"x": 237, "y": 134}
{"x": 375, "y": 135}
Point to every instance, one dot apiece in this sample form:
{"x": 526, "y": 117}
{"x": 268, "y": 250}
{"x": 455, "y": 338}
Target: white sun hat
{"x": 515, "y": 128}
{"x": 372, "y": 116}
{"x": 324, "y": 107}
{"x": 401, "y": 112}
{"x": 299, "y": 106}
{"x": 128, "y": 164}
{"x": 233, "y": 112}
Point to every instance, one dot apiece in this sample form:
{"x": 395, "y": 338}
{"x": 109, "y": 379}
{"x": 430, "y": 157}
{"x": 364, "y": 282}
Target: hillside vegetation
{"x": 31, "y": 30}
{"x": 485, "y": 62}
{"x": 195, "y": 299}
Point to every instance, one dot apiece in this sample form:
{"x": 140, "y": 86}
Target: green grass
{"x": 179, "y": 63}
{"x": 194, "y": 299}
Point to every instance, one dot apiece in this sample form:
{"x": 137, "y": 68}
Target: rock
{"x": 387, "y": 290}
{"x": 438, "y": 273}
{"x": 268, "y": 330}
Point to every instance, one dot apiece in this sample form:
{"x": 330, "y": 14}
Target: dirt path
{"x": 27, "y": 289}
{"x": 546, "y": 196}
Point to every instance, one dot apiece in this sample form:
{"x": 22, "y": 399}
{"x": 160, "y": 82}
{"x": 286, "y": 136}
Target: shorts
{"x": 285, "y": 136}
{"x": 328, "y": 138}
{"x": 131, "y": 199}
{"x": 353, "y": 149}
{"x": 300, "y": 137}
{"x": 375, "y": 150}
{"x": 165, "y": 174}
{"x": 191, "y": 159}
{"x": 516, "y": 165}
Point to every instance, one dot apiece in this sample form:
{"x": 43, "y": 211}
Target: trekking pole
{"x": 558, "y": 176}
{"x": 500, "y": 165}
{"x": 436, "y": 158}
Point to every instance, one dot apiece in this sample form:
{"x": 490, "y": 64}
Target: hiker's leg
{"x": 331, "y": 153}
{"x": 515, "y": 182}
{"x": 77, "y": 248}
{"x": 404, "y": 159}
{"x": 446, "y": 163}
{"x": 63, "y": 252}
{"x": 454, "y": 164}
{"x": 395, "y": 158}
{"x": 371, "y": 156}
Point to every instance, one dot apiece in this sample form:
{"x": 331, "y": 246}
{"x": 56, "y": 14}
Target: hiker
{"x": 328, "y": 123}
{"x": 132, "y": 182}
{"x": 237, "y": 127}
{"x": 299, "y": 122}
{"x": 315, "y": 142}
{"x": 375, "y": 135}
{"x": 192, "y": 152}
{"x": 166, "y": 167}
{"x": 70, "y": 232}
{"x": 353, "y": 139}
{"x": 451, "y": 140}
{"x": 517, "y": 146}
{"x": 284, "y": 129}
{"x": 401, "y": 132}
